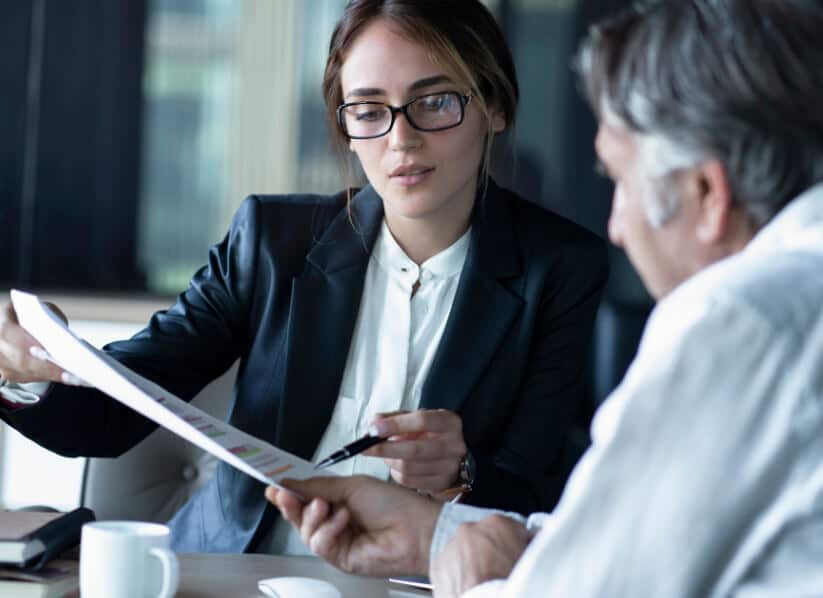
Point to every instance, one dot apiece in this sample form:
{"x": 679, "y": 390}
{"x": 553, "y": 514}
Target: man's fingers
{"x": 326, "y": 539}
{"x": 422, "y": 420}
{"x": 330, "y": 489}
{"x": 287, "y": 503}
{"x": 314, "y": 515}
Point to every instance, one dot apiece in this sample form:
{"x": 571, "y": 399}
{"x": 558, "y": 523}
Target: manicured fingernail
{"x": 38, "y": 353}
{"x": 378, "y": 428}
{"x": 71, "y": 379}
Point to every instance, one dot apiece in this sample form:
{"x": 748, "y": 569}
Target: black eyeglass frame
{"x": 394, "y": 110}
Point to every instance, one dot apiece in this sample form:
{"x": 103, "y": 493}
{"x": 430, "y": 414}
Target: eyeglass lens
{"x": 426, "y": 113}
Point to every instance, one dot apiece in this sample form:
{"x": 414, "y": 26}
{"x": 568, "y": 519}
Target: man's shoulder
{"x": 781, "y": 288}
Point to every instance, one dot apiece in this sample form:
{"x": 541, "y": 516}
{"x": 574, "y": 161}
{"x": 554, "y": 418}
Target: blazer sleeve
{"x": 182, "y": 349}
{"x": 528, "y": 470}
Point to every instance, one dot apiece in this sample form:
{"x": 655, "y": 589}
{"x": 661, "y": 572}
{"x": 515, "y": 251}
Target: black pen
{"x": 350, "y": 450}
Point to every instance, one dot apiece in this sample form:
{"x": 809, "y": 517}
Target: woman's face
{"x": 423, "y": 176}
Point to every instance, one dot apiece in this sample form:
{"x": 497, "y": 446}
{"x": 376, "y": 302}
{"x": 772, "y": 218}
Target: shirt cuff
{"x": 17, "y": 396}
{"x": 452, "y": 516}
{"x": 489, "y": 589}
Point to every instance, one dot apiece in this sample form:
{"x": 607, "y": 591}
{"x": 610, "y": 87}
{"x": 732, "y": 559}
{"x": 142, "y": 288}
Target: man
{"x": 705, "y": 476}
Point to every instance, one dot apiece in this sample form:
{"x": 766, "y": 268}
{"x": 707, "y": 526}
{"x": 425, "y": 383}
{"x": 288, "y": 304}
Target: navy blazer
{"x": 282, "y": 292}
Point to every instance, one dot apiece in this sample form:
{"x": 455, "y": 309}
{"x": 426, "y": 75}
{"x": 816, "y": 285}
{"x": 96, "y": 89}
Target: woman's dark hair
{"x": 735, "y": 80}
{"x": 461, "y": 36}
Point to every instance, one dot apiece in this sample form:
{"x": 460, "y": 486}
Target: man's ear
{"x": 714, "y": 195}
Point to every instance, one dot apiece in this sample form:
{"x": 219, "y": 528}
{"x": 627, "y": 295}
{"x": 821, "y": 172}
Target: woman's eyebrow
{"x": 428, "y": 82}
{"x": 364, "y": 92}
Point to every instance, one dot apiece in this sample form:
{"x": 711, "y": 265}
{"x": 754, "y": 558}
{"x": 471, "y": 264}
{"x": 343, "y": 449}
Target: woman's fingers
{"x": 22, "y": 359}
{"x": 422, "y": 420}
{"x": 49, "y": 370}
{"x": 424, "y": 449}
{"x": 424, "y": 468}
{"x": 435, "y": 483}
{"x": 429, "y": 448}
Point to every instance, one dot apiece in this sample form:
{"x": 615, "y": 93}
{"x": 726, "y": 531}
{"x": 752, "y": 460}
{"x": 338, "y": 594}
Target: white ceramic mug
{"x": 127, "y": 559}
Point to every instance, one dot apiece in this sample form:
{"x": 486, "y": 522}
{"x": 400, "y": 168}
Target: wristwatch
{"x": 467, "y": 472}
{"x": 465, "y": 482}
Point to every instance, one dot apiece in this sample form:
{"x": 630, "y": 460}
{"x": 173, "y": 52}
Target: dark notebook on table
{"x": 30, "y": 538}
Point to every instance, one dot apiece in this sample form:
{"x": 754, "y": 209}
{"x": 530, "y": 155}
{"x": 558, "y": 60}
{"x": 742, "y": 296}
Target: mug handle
{"x": 171, "y": 571}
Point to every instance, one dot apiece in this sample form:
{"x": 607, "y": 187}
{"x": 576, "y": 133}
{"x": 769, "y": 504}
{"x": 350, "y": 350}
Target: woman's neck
{"x": 423, "y": 238}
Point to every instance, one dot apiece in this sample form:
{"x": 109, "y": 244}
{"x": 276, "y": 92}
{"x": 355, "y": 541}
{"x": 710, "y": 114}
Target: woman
{"x": 455, "y": 309}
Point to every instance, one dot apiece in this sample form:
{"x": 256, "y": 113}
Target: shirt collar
{"x": 396, "y": 263}
{"x": 798, "y": 225}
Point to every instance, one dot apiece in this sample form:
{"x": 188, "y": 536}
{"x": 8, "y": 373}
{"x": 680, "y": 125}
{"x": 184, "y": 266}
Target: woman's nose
{"x": 402, "y": 135}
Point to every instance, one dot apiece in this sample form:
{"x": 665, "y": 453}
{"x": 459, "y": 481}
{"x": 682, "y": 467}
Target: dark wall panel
{"x": 88, "y": 167}
{"x": 14, "y": 31}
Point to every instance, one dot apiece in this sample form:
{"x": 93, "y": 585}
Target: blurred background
{"x": 130, "y": 131}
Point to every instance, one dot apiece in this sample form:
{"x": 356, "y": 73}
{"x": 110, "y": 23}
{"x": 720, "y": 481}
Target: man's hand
{"x": 424, "y": 448}
{"x": 479, "y": 552}
{"x": 360, "y": 524}
{"x": 22, "y": 359}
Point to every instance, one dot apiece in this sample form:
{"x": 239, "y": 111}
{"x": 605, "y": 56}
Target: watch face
{"x": 467, "y": 469}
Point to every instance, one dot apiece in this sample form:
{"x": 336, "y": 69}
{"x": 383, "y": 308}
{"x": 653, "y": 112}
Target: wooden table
{"x": 236, "y": 576}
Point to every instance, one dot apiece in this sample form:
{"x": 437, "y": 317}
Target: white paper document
{"x": 250, "y": 455}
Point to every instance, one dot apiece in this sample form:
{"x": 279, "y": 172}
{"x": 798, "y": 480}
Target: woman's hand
{"x": 424, "y": 449}
{"x": 22, "y": 359}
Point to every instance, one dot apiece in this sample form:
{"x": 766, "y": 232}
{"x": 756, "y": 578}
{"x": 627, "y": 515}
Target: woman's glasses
{"x": 431, "y": 112}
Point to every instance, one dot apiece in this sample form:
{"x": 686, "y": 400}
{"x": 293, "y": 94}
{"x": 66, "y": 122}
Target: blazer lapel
{"x": 325, "y": 300}
{"x": 483, "y": 308}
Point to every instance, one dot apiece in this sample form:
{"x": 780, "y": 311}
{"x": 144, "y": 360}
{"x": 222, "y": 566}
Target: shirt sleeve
{"x": 686, "y": 454}
{"x": 453, "y": 515}
{"x": 17, "y": 396}
{"x": 489, "y": 589}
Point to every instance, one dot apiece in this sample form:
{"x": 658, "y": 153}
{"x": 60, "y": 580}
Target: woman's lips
{"x": 412, "y": 178}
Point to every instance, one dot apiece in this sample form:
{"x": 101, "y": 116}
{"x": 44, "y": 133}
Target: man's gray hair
{"x": 740, "y": 81}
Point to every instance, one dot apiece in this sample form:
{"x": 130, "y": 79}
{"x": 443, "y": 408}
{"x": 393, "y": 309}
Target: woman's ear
{"x": 498, "y": 122}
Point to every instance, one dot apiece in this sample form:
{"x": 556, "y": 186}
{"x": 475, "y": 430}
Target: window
{"x": 232, "y": 106}
{"x": 132, "y": 129}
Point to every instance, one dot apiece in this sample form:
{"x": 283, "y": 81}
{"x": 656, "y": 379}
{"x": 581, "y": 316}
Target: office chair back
{"x": 153, "y": 480}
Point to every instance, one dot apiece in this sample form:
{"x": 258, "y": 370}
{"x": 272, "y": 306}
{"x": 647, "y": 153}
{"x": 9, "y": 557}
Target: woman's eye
{"x": 435, "y": 103}
{"x": 370, "y": 115}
